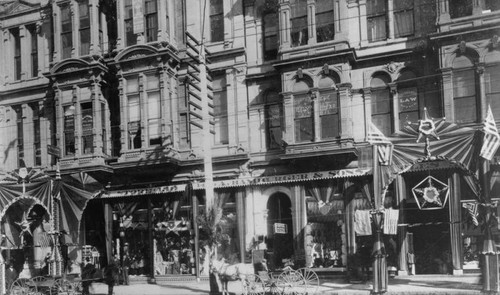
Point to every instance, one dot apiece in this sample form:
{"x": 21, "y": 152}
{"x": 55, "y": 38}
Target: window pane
{"x": 460, "y": 8}
{"x": 85, "y": 41}
{"x": 325, "y": 29}
{"x": 329, "y": 126}
{"x": 463, "y": 83}
{"x": 408, "y": 99}
{"x": 465, "y": 109}
{"x": 403, "y": 23}
{"x": 383, "y": 123}
{"x": 302, "y": 107}
{"x": 153, "y": 82}
{"x": 84, "y": 15}
{"x": 298, "y": 20}
{"x": 377, "y": 28}
{"x": 270, "y": 36}
{"x": 380, "y": 101}
{"x": 150, "y": 6}
{"x": 132, "y": 84}
{"x": 154, "y": 132}
{"x": 304, "y": 129}
{"x": 154, "y": 109}
{"x": 133, "y": 108}
{"x": 216, "y": 20}
{"x": 152, "y": 27}
{"x": 492, "y": 78}
{"x": 274, "y": 126}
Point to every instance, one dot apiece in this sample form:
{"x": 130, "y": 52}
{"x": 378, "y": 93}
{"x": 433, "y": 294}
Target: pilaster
{"x": 284, "y": 25}
{"x": 25, "y": 52}
{"x": 345, "y": 114}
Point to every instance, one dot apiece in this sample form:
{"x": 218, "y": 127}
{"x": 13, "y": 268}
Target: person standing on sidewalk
{"x": 111, "y": 274}
{"x": 125, "y": 266}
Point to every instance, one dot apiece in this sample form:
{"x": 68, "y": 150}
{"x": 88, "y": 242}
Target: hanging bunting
{"x": 472, "y": 210}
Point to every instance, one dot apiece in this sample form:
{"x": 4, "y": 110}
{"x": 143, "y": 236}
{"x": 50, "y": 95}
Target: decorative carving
{"x": 494, "y": 41}
{"x": 326, "y": 70}
{"x": 300, "y": 75}
{"x": 392, "y": 67}
{"x": 462, "y": 47}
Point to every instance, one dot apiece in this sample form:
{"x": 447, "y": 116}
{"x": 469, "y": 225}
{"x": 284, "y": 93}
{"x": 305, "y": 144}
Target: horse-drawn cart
{"x": 286, "y": 281}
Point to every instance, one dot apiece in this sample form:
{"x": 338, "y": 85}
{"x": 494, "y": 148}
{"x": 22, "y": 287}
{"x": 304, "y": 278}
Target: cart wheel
{"x": 291, "y": 282}
{"x": 23, "y": 287}
{"x": 253, "y": 285}
{"x": 311, "y": 280}
{"x": 62, "y": 286}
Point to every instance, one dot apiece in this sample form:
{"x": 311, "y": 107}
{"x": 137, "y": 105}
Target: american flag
{"x": 491, "y": 140}
{"x": 472, "y": 209}
{"x": 384, "y": 145}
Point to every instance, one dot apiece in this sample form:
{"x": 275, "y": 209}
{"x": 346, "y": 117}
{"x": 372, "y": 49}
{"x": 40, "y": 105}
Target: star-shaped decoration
{"x": 426, "y": 127}
{"x": 430, "y": 194}
{"x": 25, "y": 227}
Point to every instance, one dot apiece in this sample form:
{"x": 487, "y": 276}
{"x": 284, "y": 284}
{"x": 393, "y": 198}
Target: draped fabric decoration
{"x": 324, "y": 193}
{"x": 72, "y": 204}
{"x": 456, "y": 144}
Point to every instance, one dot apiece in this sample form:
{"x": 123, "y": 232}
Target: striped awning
{"x": 245, "y": 181}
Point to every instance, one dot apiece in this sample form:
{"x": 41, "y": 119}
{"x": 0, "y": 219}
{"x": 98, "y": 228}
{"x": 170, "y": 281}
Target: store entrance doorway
{"x": 430, "y": 241}
{"x": 279, "y": 228}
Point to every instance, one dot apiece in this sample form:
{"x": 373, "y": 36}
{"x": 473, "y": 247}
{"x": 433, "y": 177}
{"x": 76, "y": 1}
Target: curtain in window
{"x": 403, "y": 23}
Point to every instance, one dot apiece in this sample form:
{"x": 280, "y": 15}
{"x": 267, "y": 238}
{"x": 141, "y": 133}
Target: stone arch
{"x": 380, "y": 79}
{"x": 329, "y": 80}
{"x": 458, "y": 57}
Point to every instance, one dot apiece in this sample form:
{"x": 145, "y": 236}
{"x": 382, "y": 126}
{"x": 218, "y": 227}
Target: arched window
{"x": 492, "y": 80}
{"x": 303, "y": 112}
{"x": 274, "y": 114}
{"x": 270, "y": 24}
{"x": 464, "y": 90}
{"x": 381, "y": 103}
{"x": 328, "y": 107}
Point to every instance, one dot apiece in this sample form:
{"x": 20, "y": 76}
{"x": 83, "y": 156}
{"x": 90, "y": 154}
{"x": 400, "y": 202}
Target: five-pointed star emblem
{"x": 430, "y": 193}
{"x": 426, "y": 127}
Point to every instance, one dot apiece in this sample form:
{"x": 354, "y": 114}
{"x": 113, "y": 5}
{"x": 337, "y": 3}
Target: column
{"x": 75, "y": 22}
{"x": 314, "y": 96}
{"x": 390, "y": 18}
{"x": 56, "y": 14}
{"x": 97, "y": 122}
{"x": 288, "y": 134}
{"x": 363, "y": 25}
{"x": 94, "y": 27}
{"x": 284, "y": 25}
{"x": 345, "y": 115}
{"x": 447, "y": 87}
{"x": 311, "y": 21}
{"x": 402, "y": 230}
{"x": 455, "y": 224}
{"x": 240, "y": 213}
{"x": 123, "y": 113}
{"x": 367, "y": 99}
{"x": 120, "y": 26}
{"x": 25, "y": 51}
{"x": 395, "y": 105}
{"x": 482, "y": 93}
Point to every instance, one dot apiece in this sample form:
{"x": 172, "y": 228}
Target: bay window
{"x": 87, "y": 128}
{"x": 303, "y": 118}
{"x": 329, "y": 114}
{"x": 69, "y": 130}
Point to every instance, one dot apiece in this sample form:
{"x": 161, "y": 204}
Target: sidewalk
{"x": 411, "y": 285}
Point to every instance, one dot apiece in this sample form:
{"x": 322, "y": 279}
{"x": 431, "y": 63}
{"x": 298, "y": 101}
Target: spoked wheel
{"x": 311, "y": 280}
{"x": 23, "y": 287}
{"x": 62, "y": 286}
{"x": 292, "y": 282}
{"x": 253, "y": 285}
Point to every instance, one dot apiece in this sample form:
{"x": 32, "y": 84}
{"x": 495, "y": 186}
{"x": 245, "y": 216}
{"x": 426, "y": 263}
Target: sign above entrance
{"x": 280, "y": 228}
{"x": 263, "y": 180}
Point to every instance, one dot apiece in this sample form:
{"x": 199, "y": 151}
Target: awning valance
{"x": 247, "y": 181}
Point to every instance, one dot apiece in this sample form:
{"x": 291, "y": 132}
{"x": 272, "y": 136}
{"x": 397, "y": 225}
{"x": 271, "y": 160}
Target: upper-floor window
{"x": 17, "y": 53}
{"x": 403, "y": 18}
{"x": 376, "y": 20}
{"x": 298, "y": 20}
{"x": 381, "y": 103}
{"x": 274, "y": 114}
{"x": 220, "y": 108}
{"x": 20, "y": 134}
{"x": 303, "y": 114}
{"x": 408, "y": 100}
{"x": 464, "y": 90}
{"x": 151, "y": 20}
{"x": 154, "y": 110}
{"x": 66, "y": 31}
{"x": 34, "y": 50}
{"x": 83, "y": 9}
{"x": 492, "y": 78}
{"x": 460, "y": 8}
{"x": 325, "y": 29}
{"x": 270, "y": 24}
{"x": 36, "y": 135}
{"x": 216, "y": 20}
{"x": 87, "y": 128}
{"x": 328, "y": 107}
{"x": 134, "y": 113}
{"x": 129, "y": 24}
{"x": 69, "y": 130}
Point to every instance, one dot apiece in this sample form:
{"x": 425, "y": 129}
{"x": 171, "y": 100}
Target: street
{"x": 411, "y": 285}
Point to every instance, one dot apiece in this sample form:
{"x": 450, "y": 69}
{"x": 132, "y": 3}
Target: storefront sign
{"x": 264, "y": 180}
{"x": 280, "y": 228}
